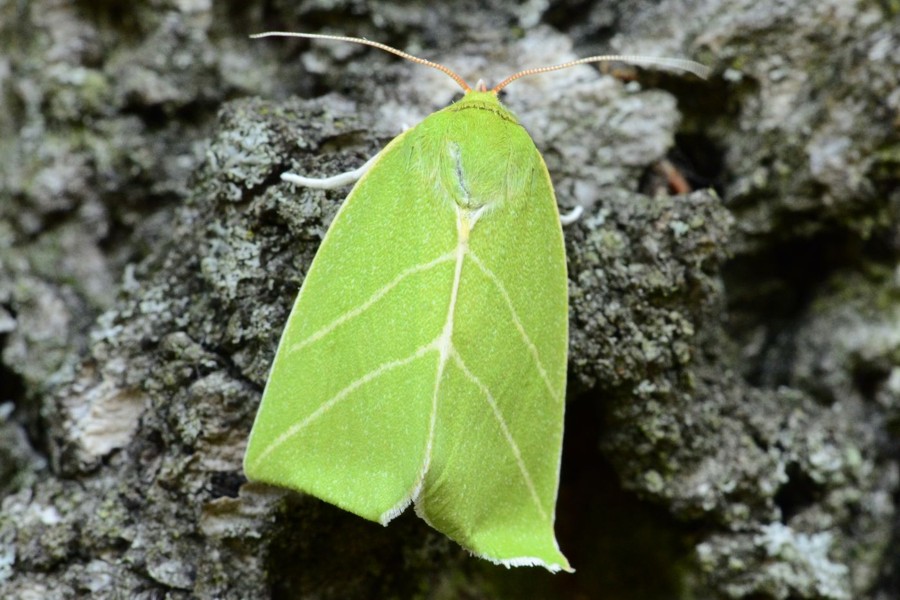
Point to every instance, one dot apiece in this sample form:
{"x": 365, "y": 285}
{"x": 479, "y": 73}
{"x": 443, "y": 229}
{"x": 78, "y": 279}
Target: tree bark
{"x": 734, "y": 374}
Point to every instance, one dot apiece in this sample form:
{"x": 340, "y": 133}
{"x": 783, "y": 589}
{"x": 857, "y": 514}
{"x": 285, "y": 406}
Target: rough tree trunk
{"x": 735, "y": 351}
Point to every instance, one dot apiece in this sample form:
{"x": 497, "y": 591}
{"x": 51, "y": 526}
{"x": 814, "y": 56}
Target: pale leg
{"x": 329, "y": 183}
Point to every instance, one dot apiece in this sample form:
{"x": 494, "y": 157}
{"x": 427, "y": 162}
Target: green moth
{"x": 424, "y": 361}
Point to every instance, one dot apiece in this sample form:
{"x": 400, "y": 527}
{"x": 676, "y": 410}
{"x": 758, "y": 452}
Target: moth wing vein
{"x": 375, "y": 297}
{"x": 416, "y": 490}
{"x": 504, "y": 428}
{"x": 532, "y": 349}
{"x": 378, "y": 371}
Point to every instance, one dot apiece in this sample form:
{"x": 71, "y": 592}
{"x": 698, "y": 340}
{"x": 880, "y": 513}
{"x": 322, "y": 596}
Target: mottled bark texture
{"x": 735, "y": 362}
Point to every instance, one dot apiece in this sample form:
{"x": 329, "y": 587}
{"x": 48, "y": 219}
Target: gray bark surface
{"x": 734, "y": 368}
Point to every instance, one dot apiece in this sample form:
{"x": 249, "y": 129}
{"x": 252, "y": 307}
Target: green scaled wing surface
{"x": 424, "y": 361}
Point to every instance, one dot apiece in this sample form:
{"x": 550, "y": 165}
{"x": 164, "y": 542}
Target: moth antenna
{"x": 681, "y": 64}
{"x": 340, "y": 38}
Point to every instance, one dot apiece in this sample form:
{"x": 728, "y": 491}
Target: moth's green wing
{"x": 345, "y": 412}
{"x": 494, "y": 472}
{"x": 425, "y": 357}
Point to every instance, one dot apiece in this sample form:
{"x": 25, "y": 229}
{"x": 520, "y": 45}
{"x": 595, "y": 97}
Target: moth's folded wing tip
{"x": 529, "y": 561}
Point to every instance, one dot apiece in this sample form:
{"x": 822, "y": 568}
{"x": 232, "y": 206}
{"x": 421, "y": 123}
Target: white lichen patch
{"x": 785, "y": 563}
{"x": 802, "y": 560}
{"x": 7, "y": 560}
{"x": 171, "y": 572}
{"x": 46, "y": 515}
